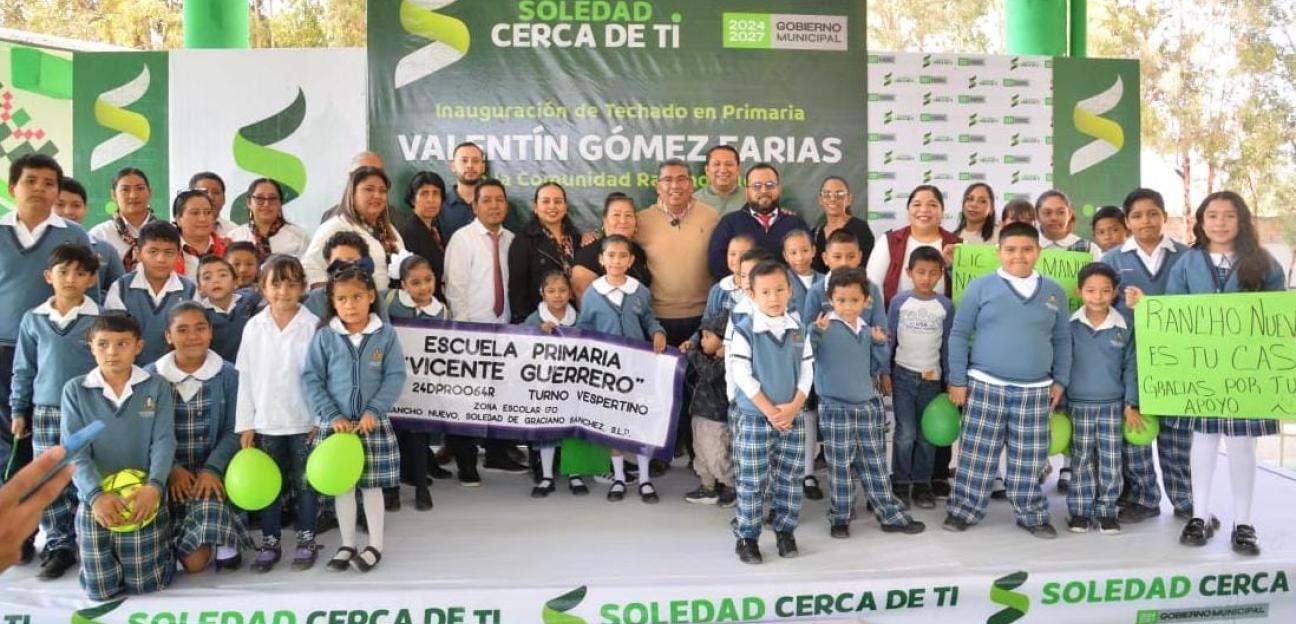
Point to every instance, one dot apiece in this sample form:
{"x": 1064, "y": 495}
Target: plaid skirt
{"x": 207, "y": 521}
{"x": 382, "y": 455}
{"x": 1244, "y": 427}
{"x": 138, "y": 562}
{"x": 45, "y": 421}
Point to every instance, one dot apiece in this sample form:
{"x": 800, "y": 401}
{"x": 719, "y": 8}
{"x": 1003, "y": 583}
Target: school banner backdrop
{"x": 595, "y": 94}
{"x": 120, "y": 115}
{"x": 35, "y": 108}
{"x": 515, "y": 382}
{"x": 297, "y": 116}
{"x": 1063, "y": 267}
{"x": 1228, "y": 355}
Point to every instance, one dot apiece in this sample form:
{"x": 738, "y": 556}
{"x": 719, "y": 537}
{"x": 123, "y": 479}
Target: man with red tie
{"x": 476, "y": 271}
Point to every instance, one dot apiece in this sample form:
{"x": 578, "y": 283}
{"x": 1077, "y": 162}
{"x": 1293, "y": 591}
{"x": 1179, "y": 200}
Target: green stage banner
{"x": 1230, "y": 355}
{"x": 1063, "y": 267}
{"x": 1095, "y": 132}
{"x": 594, "y": 94}
{"x": 120, "y": 117}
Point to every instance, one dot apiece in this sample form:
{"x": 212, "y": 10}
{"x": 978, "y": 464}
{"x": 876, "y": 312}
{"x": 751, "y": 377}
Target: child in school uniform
{"x": 71, "y": 206}
{"x": 618, "y": 305}
{"x": 273, "y": 415}
{"x": 416, "y": 300}
{"x": 773, "y": 370}
{"x": 918, "y": 327}
{"x": 1102, "y": 395}
{"x": 554, "y": 312}
{"x": 798, "y": 254}
{"x": 1010, "y": 378}
{"x": 150, "y": 291}
{"x": 341, "y": 250}
{"x": 709, "y": 411}
{"x": 1226, "y": 258}
{"x": 847, "y": 360}
{"x": 243, "y": 257}
{"x": 1109, "y": 231}
{"x": 728, "y": 292}
{"x": 354, "y": 373}
{"x": 1143, "y": 264}
{"x": 52, "y": 348}
{"x": 205, "y": 394}
{"x": 137, "y": 411}
{"x": 1057, "y": 224}
{"x": 228, "y": 308}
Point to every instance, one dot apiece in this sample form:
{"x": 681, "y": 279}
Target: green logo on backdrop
{"x": 252, "y": 153}
{"x": 90, "y": 615}
{"x": 448, "y": 37}
{"x": 747, "y": 30}
{"x": 1015, "y": 604}
{"x": 555, "y": 610}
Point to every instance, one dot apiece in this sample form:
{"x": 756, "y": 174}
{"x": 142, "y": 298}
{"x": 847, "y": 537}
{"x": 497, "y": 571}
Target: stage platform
{"x": 492, "y": 554}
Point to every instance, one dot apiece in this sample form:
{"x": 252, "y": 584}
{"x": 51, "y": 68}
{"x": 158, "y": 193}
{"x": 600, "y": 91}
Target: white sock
{"x": 226, "y": 552}
{"x": 618, "y": 468}
{"x": 811, "y": 439}
{"x": 345, "y": 504}
{"x": 1201, "y": 466}
{"x": 1066, "y": 462}
{"x": 645, "y": 468}
{"x": 374, "y": 515}
{"x": 1242, "y": 471}
{"x": 546, "y": 461}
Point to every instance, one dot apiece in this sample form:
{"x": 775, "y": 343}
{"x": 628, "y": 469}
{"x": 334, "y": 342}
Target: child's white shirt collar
{"x": 602, "y": 286}
{"x": 776, "y": 325}
{"x": 188, "y": 384}
{"x": 1061, "y": 243}
{"x": 372, "y": 326}
{"x": 806, "y": 280}
{"x": 95, "y": 380}
{"x": 29, "y": 237}
{"x": 210, "y": 305}
{"x": 856, "y": 328}
{"x": 568, "y": 319}
{"x": 1025, "y": 286}
{"x": 431, "y": 309}
{"x": 88, "y": 307}
{"x": 727, "y": 283}
{"x": 1114, "y": 319}
{"x": 1131, "y": 244}
{"x": 173, "y": 284}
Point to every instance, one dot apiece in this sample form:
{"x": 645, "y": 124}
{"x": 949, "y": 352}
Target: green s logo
{"x": 449, "y": 40}
{"x": 1015, "y": 604}
{"x": 555, "y": 611}
{"x": 1108, "y": 136}
{"x": 252, "y": 152}
{"x": 110, "y": 112}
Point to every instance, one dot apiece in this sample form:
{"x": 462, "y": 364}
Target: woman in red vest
{"x": 886, "y": 265}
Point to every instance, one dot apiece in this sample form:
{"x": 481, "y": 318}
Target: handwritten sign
{"x": 1063, "y": 267}
{"x": 1228, "y": 355}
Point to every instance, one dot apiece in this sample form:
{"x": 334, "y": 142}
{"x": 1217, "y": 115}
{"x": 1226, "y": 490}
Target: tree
{"x": 921, "y": 25}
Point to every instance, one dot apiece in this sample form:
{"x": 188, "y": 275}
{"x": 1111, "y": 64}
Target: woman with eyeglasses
{"x": 266, "y": 227}
{"x": 835, "y": 199}
{"x": 195, "y": 217}
{"x": 363, "y": 210}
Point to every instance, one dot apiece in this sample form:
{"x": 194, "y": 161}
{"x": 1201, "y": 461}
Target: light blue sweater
{"x": 632, "y": 319}
{"x": 47, "y": 357}
{"x": 22, "y": 273}
{"x": 839, "y": 373}
{"x": 1021, "y": 341}
{"x": 140, "y": 434}
{"x": 1103, "y": 365}
{"x": 1133, "y": 272}
{"x": 342, "y": 380}
{"x": 221, "y": 394}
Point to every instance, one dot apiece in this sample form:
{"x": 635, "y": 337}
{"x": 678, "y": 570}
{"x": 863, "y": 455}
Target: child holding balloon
{"x": 274, "y": 415}
{"x": 205, "y": 389}
{"x": 353, "y": 375}
{"x": 124, "y": 537}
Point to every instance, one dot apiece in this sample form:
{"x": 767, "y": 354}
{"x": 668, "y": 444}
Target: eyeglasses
{"x": 674, "y": 180}
{"x": 768, "y": 186}
{"x": 263, "y": 199}
{"x": 834, "y": 194}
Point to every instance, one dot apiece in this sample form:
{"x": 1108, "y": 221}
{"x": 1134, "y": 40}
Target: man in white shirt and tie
{"x": 476, "y": 275}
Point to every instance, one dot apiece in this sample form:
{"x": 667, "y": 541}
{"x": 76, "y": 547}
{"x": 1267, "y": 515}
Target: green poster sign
{"x": 120, "y": 120}
{"x": 1095, "y": 132}
{"x": 973, "y": 261}
{"x": 1230, "y": 355}
{"x": 594, "y": 95}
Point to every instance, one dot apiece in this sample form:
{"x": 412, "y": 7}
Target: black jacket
{"x": 531, "y": 255}
{"x": 421, "y": 241}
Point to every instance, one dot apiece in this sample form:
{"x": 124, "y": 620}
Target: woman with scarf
{"x": 131, "y": 191}
{"x": 194, "y": 215}
{"x": 363, "y": 210}
{"x": 266, "y": 227}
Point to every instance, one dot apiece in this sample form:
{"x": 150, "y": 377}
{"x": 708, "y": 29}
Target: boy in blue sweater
{"x": 1009, "y": 379}
{"x": 52, "y": 348}
{"x": 847, "y": 360}
{"x": 1143, "y": 264}
{"x": 150, "y": 291}
{"x": 1103, "y": 389}
{"x": 71, "y": 205}
{"x": 772, "y": 366}
{"x": 139, "y": 414}
{"x": 228, "y": 307}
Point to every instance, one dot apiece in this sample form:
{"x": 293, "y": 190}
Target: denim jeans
{"x": 289, "y": 452}
{"x": 913, "y": 455}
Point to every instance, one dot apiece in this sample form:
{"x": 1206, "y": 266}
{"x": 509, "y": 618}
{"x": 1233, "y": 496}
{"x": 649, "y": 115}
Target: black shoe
{"x": 1109, "y": 526}
{"x": 903, "y": 493}
{"x": 1245, "y": 541}
{"x": 787, "y": 547}
{"x": 955, "y": 524}
{"x": 940, "y": 488}
{"x": 648, "y": 493}
{"x": 617, "y": 491}
{"x": 839, "y": 531}
{"x": 577, "y": 486}
{"x": 57, "y": 562}
{"x": 1000, "y": 490}
{"x": 1135, "y": 513}
{"x": 1064, "y": 480}
{"x": 1195, "y": 533}
{"x": 505, "y": 464}
{"x": 1042, "y": 531}
{"x": 391, "y": 499}
{"x": 28, "y": 552}
{"x": 810, "y": 485}
{"x": 517, "y": 455}
{"x": 437, "y": 472}
{"x": 229, "y": 565}
{"x": 748, "y": 551}
{"x": 1079, "y": 524}
{"x": 703, "y": 495}
{"x": 1187, "y": 515}
{"x": 468, "y": 477}
{"x": 543, "y": 489}
{"x": 912, "y": 527}
{"x": 923, "y": 498}
{"x": 422, "y": 499}
{"x": 728, "y": 496}
{"x": 657, "y": 468}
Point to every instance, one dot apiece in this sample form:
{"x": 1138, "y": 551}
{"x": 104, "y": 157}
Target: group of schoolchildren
{"x": 785, "y": 359}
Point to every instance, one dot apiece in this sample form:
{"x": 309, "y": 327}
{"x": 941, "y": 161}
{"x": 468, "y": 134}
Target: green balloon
{"x": 1151, "y": 427}
{"x": 252, "y": 479}
{"x": 335, "y": 465}
{"x": 1059, "y": 433}
{"x": 940, "y": 421}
